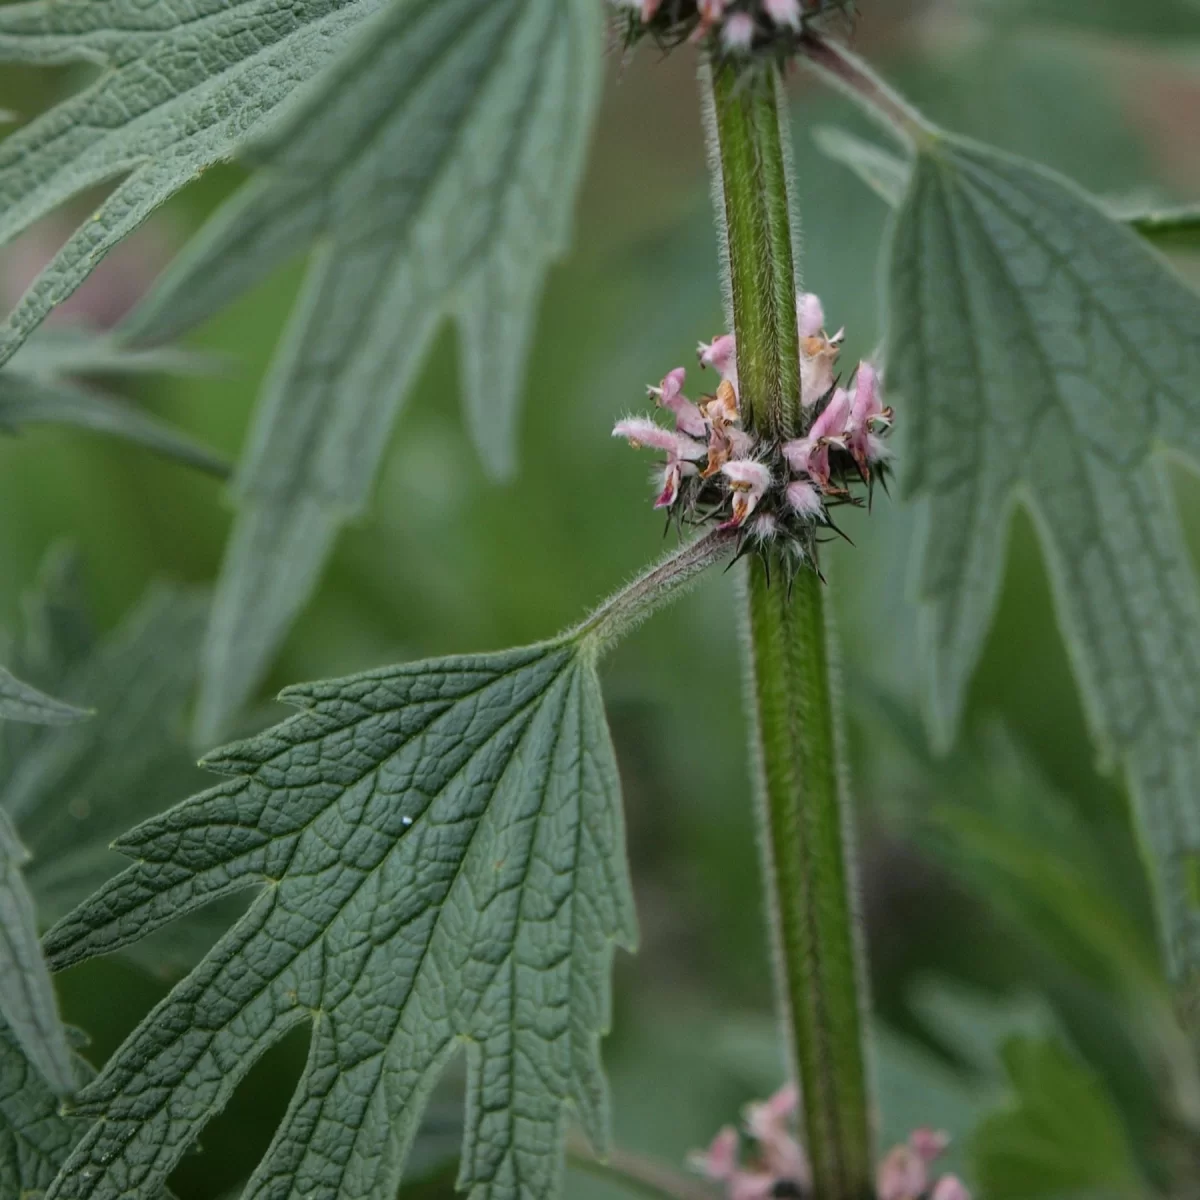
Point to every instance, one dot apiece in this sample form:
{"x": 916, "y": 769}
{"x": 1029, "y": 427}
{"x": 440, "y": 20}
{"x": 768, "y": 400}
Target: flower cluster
{"x": 771, "y": 491}
{"x": 734, "y": 28}
{"x": 764, "y": 1160}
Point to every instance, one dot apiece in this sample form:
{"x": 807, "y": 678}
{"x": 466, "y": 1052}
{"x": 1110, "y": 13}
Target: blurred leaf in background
{"x": 436, "y": 170}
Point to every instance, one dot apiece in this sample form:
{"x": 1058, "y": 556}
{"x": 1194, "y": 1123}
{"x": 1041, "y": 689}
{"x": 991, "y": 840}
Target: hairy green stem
{"x": 804, "y": 826}
{"x": 750, "y": 173}
{"x": 671, "y": 575}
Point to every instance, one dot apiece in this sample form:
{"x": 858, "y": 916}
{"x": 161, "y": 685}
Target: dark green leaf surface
{"x": 438, "y": 852}
{"x": 435, "y": 172}
{"x": 1043, "y": 353}
{"x": 27, "y": 1003}
{"x": 35, "y": 1137}
{"x": 181, "y": 86}
{"x": 1061, "y": 1136}
{"x": 1169, "y": 228}
{"x": 887, "y": 174}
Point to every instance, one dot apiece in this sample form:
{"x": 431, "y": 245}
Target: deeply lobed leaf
{"x": 438, "y": 853}
{"x": 1045, "y": 353}
{"x": 434, "y": 170}
{"x": 181, "y": 86}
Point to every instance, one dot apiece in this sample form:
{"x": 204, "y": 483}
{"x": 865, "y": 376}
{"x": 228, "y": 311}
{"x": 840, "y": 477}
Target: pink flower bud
{"x": 805, "y": 500}
{"x": 833, "y": 418}
{"x": 810, "y": 315}
{"x": 737, "y": 34}
{"x": 901, "y": 1175}
{"x": 720, "y": 1160}
{"x": 929, "y": 1143}
{"x": 950, "y": 1187}
{"x": 784, "y": 12}
{"x": 641, "y": 431}
{"x": 748, "y": 481}
{"x": 720, "y": 354}
{"x": 669, "y": 394}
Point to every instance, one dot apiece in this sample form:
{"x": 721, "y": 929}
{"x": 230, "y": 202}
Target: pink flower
{"x": 929, "y": 1143}
{"x": 720, "y": 1160}
{"x": 950, "y": 1187}
{"x": 748, "y": 481}
{"x": 768, "y": 1123}
{"x": 818, "y": 351}
{"x": 805, "y": 499}
{"x": 902, "y": 1175}
{"x": 682, "y": 453}
{"x": 737, "y": 34}
{"x": 810, "y": 455}
{"x": 641, "y": 431}
{"x": 721, "y": 355}
{"x": 669, "y": 394}
{"x": 722, "y": 409}
{"x": 810, "y": 315}
{"x": 866, "y": 412}
{"x": 784, "y": 12}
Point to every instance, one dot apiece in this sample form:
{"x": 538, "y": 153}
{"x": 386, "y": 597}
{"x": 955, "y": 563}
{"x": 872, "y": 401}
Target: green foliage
{"x": 179, "y": 89}
{"x": 439, "y": 855}
{"x": 21, "y": 702}
{"x": 65, "y": 793}
{"x": 1170, "y": 228}
{"x": 1061, "y": 1136}
{"x": 993, "y": 821}
{"x": 71, "y": 792}
{"x": 887, "y": 175}
{"x": 435, "y": 170}
{"x": 35, "y": 1137}
{"x": 1166, "y": 19}
{"x": 1043, "y": 352}
{"x": 40, "y": 386}
{"x": 27, "y": 1003}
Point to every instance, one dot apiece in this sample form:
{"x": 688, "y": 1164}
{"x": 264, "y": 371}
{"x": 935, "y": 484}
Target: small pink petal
{"x": 805, "y": 499}
{"x": 950, "y": 1187}
{"x": 773, "y": 1113}
{"x": 641, "y": 431}
{"x": 747, "y": 475}
{"x": 748, "y": 481}
{"x": 867, "y": 403}
{"x": 737, "y": 34}
{"x": 831, "y": 422}
{"x": 721, "y": 355}
{"x": 720, "y": 1160}
{"x": 929, "y": 1143}
{"x": 784, "y": 12}
{"x": 671, "y": 386}
{"x": 752, "y": 1185}
{"x": 901, "y": 1175}
{"x": 649, "y": 8}
{"x": 810, "y": 316}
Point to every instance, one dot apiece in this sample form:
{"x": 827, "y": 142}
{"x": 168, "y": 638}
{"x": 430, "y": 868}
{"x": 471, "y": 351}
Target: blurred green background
{"x": 447, "y": 561}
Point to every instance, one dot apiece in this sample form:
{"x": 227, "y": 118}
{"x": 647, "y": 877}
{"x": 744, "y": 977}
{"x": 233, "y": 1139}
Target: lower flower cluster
{"x": 764, "y": 1161}
{"x": 775, "y": 492}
